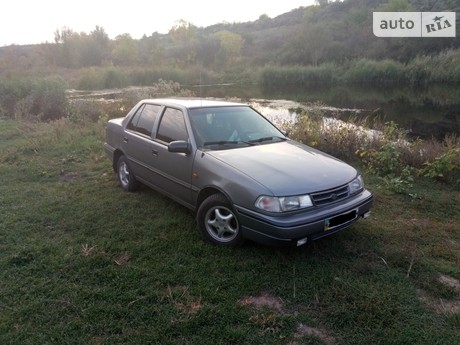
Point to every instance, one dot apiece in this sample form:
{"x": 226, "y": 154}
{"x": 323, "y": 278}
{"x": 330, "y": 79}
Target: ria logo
{"x": 440, "y": 25}
{"x": 414, "y": 24}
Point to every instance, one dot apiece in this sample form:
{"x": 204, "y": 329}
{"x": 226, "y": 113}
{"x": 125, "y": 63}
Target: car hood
{"x": 288, "y": 168}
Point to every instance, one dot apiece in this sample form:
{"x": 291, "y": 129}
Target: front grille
{"x": 329, "y": 196}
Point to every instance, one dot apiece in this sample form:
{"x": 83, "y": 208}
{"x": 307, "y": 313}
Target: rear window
{"x": 144, "y": 119}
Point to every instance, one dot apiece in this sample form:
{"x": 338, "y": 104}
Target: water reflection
{"x": 277, "y": 111}
{"x": 426, "y": 112}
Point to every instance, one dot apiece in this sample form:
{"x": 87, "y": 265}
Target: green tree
{"x": 99, "y": 43}
{"x": 183, "y": 35}
{"x": 309, "y": 45}
{"x": 125, "y": 50}
{"x": 183, "y": 32}
{"x": 207, "y": 50}
{"x": 81, "y": 49}
{"x": 151, "y": 49}
{"x": 67, "y": 40}
{"x": 230, "y": 47}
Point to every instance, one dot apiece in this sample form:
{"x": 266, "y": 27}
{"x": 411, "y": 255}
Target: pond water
{"x": 429, "y": 112}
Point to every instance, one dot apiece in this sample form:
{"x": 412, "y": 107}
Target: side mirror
{"x": 179, "y": 146}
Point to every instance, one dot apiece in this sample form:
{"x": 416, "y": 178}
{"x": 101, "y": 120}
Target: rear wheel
{"x": 218, "y": 223}
{"x": 125, "y": 176}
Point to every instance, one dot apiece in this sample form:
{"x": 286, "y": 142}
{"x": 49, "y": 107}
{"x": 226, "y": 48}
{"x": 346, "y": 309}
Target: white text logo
{"x": 414, "y": 24}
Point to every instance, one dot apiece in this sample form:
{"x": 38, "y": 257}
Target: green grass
{"x": 82, "y": 262}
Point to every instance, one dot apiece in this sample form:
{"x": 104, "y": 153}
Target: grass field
{"x": 82, "y": 262}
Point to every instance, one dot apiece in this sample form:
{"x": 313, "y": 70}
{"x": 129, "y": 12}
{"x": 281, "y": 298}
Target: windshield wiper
{"x": 266, "y": 139}
{"x": 227, "y": 142}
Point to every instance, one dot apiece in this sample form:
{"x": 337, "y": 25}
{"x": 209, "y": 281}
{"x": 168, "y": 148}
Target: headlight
{"x": 283, "y": 204}
{"x": 356, "y": 185}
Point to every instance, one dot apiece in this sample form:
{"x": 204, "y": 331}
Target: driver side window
{"x": 172, "y": 126}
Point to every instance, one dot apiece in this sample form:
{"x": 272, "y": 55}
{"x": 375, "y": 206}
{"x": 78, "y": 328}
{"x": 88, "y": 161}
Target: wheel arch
{"x": 116, "y": 156}
{"x": 208, "y": 191}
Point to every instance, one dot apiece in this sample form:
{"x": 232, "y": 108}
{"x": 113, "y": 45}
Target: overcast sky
{"x": 35, "y": 21}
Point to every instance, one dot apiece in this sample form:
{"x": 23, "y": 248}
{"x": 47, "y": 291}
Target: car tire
{"x": 218, "y": 223}
{"x": 125, "y": 176}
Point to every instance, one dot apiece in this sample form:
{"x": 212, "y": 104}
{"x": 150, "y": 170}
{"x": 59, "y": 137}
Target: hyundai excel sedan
{"x": 242, "y": 177}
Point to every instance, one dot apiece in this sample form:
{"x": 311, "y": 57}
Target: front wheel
{"x": 217, "y": 222}
{"x": 125, "y": 176}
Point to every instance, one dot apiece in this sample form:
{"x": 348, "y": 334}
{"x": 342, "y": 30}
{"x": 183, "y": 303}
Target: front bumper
{"x": 312, "y": 224}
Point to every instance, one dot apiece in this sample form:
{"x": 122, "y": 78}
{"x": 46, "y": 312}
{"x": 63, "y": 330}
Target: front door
{"x": 173, "y": 170}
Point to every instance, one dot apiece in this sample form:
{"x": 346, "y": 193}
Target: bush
{"x": 444, "y": 167}
{"x": 43, "y": 99}
{"x": 388, "y": 154}
{"x": 376, "y": 72}
{"x": 338, "y": 138}
{"x": 439, "y": 68}
{"x": 422, "y": 70}
{"x": 103, "y": 78}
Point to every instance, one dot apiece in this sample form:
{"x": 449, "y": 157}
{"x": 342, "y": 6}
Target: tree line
{"x": 334, "y": 32}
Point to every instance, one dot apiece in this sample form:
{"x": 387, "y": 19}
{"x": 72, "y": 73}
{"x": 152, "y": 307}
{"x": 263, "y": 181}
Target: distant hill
{"x": 336, "y": 33}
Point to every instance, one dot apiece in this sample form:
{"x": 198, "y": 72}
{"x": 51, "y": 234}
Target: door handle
{"x": 125, "y": 140}
{"x": 155, "y": 152}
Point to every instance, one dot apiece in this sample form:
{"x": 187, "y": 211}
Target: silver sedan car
{"x": 239, "y": 173}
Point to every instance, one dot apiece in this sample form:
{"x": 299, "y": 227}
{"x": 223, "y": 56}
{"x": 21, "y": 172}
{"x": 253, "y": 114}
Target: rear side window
{"x": 144, "y": 119}
{"x": 172, "y": 126}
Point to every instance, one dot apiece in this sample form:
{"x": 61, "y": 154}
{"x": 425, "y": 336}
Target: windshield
{"x": 232, "y": 126}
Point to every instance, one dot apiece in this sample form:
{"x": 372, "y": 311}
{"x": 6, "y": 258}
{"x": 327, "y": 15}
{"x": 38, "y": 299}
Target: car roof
{"x": 192, "y": 102}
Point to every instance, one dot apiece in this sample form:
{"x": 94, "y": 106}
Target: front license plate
{"x": 333, "y": 222}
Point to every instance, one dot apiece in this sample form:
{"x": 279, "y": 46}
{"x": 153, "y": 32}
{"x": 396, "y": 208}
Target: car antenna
{"x": 201, "y": 97}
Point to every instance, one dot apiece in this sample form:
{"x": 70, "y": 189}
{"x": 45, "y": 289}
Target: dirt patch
{"x": 270, "y": 323}
{"x": 264, "y": 301}
{"x": 304, "y": 330}
{"x": 439, "y": 305}
{"x": 67, "y": 176}
{"x": 449, "y": 307}
{"x": 450, "y": 282}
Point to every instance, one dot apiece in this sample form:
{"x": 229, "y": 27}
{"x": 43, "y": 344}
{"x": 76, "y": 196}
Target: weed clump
{"x": 386, "y": 152}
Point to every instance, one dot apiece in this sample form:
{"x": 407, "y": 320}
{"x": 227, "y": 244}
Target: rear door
{"x": 138, "y": 142}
